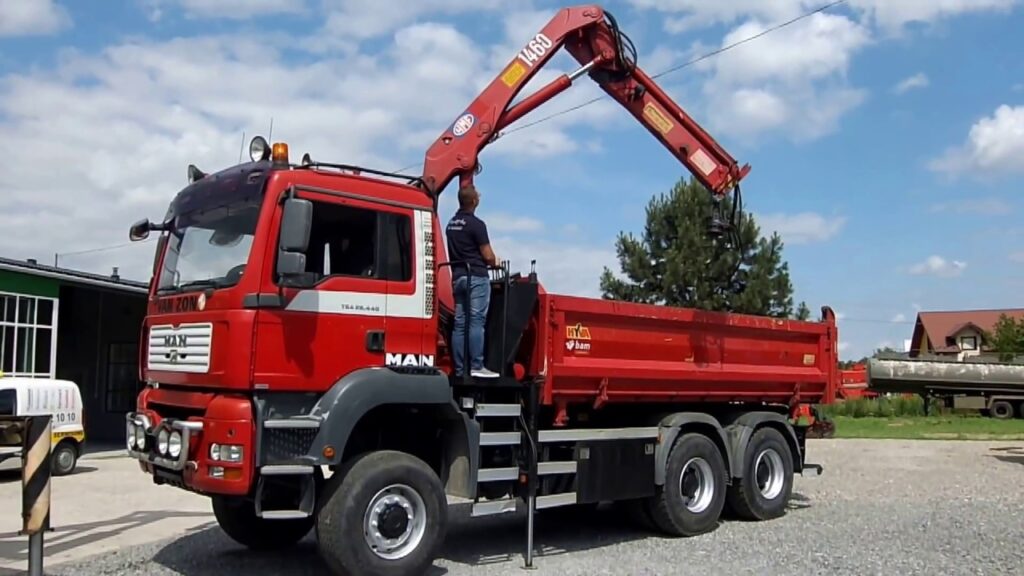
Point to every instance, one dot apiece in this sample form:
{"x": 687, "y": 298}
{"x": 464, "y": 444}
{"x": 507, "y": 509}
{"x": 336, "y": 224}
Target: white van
{"x": 62, "y": 400}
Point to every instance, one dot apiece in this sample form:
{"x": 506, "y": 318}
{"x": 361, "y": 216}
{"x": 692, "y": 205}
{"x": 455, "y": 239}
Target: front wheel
{"x": 64, "y": 459}
{"x": 384, "y": 514}
{"x": 1002, "y": 410}
{"x": 237, "y": 518}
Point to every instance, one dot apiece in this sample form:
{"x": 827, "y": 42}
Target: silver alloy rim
{"x": 697, "y": 485}
{"x": 768, "y": 473}
{"x": 65, "y": 459}
{"x": 395, "y": 499}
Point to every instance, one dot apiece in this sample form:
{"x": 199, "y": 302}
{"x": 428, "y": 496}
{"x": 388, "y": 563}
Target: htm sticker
{"x": 463, "y": 124}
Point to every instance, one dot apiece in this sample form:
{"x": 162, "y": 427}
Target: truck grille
{"x": 185, "y": 348}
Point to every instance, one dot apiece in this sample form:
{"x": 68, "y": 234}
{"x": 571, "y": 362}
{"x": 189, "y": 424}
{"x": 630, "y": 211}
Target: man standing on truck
{"x": 468, "y": 242}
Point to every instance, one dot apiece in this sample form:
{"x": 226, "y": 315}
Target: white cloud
{"x": 143, "y": 110}
{"x": 570, "y": 269}
{"x": 509, "y": 223}
{"x": 227, "y": 9}
{"x": 889, "y": 15}
{"x": 892, "y": 16}
{"x": 994, "y": 144}
{"x": 938, "y": 266}
{"x": 986, "y": 206}
{"x": 792, "y": 80}
{"x": 899, "y": 317}
{"x": 32, "y": 17}
{"x": 919, "y": 80}
{"x": 802, "y": 228}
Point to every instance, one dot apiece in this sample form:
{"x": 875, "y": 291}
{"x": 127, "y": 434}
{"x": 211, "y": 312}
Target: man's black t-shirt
{"x": 466, "y": 234}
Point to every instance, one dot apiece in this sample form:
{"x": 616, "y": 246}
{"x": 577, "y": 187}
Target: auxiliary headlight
{"x": 174, "y": 444}
{"x": 140, "y": 438}
{"x": 129, "y": 435}
{"x": 162, "y": 441}
{"x": 226, "y": 452}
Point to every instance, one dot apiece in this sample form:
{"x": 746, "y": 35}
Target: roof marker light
{"x": 280, "y": 153}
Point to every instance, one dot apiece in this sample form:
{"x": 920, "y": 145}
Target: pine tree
{"x": 677, "y": 263}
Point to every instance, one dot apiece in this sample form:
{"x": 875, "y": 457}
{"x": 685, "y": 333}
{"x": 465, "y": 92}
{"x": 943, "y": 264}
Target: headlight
{"x": 226, "y": 452}
{"x": 174, "y": 444}
{"x": 129, "y": 435}
{"x": 259, "y": 149}
{"x": 162, "y": 441}
{"x": 140, "y": 438}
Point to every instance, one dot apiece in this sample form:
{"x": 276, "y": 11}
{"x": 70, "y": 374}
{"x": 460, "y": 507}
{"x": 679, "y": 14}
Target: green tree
{"x": 1006, "y": 338}
{"x": 677, "y": 263}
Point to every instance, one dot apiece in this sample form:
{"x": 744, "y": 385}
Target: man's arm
{"x": 484, "y": 242}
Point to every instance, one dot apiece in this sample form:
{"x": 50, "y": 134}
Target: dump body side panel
{"x": 606, "y": 351}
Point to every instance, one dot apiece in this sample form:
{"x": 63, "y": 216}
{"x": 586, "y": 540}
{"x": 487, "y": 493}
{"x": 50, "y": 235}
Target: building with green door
{"x": 62, "y": 323}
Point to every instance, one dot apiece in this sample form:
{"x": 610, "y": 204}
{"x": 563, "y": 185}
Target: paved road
{"x": 883, "y": 507}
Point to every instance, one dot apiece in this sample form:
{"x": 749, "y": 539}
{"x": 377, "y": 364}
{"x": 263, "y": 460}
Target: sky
{"x": 886, "y": 139}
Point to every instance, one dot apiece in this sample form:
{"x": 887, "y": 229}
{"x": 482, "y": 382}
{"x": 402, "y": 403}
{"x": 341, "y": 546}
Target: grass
{"x": 945, "y": 427}
{"x": 903, "y": 417}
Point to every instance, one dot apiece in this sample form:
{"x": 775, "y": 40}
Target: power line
{"x": 663, "y": 72}
{"x": 685, "y": 64}
{"x": 103, "y": 248}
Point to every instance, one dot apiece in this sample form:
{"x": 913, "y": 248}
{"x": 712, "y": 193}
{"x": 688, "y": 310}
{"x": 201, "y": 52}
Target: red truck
{"x": 297, "y": 351}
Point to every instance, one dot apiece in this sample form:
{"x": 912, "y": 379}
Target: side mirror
{"x": 296, "y": 223}
{"x": 140, "y": 230}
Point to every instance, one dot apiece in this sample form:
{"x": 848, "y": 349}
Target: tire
{"x": 237, "y": 518}
{"x": 63, "y": 459}
{"x": 767, "y": 484}
{"x": 1002, "y": 410}
{"x": 347, "y": 505}
{"x": 668, "y": 508}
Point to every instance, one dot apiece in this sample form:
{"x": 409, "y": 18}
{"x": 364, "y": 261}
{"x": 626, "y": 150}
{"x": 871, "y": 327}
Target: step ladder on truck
{"x": 307, "y": 384}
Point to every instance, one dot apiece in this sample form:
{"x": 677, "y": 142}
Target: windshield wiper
{"x": 204, "y": 283}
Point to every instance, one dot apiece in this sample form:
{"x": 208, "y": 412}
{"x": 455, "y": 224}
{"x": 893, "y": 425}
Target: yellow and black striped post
{"x": 35, "y": 488}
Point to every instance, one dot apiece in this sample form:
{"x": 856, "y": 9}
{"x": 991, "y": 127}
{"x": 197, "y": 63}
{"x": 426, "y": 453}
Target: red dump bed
{"x": 603, "y": 351}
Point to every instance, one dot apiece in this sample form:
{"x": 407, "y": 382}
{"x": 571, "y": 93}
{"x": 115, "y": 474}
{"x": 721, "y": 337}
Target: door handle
{"x": 375, "y": 340}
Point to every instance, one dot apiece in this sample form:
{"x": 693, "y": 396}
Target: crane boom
{"x": 591, "y": 35}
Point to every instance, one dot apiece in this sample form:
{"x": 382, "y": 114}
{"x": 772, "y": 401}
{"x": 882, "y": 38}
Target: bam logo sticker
{"x": 399, "y": 359}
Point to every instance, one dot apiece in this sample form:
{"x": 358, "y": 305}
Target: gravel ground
{"x": 882, "y": 507}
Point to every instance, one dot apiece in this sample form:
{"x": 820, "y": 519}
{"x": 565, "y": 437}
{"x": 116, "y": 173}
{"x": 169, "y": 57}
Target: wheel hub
{"x": 768, "y": 473}
{"x": 395, "y": 522}
{"x": 697, "y": 485}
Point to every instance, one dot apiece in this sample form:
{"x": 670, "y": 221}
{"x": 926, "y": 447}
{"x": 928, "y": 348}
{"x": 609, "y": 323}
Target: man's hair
{"x": 466, "y": 196}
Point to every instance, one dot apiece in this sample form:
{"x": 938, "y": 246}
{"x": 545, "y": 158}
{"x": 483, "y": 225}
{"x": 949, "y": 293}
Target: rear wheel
{"x": 693, "y": 496}
{"x": 1002, "y": 410}
{"x": 767, "y": 482}
{"x": 237, "y": 517}
{"x": 385, "y": 514}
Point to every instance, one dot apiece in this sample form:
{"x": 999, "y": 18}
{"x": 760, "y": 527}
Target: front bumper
{"x": 190, "y": 431}
{"x": 197, "y": 466}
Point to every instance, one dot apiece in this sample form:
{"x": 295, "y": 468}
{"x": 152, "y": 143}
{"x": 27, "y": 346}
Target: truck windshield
{"x": 208, "y": 246}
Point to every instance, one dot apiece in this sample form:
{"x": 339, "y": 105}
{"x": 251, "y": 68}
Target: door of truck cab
{"x": 367, "y": 304}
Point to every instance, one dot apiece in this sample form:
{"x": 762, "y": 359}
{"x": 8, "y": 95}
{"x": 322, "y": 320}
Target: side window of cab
{"x": 353, "y": 241}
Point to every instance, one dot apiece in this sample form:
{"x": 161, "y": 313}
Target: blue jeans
{"x": 479, "y": 299}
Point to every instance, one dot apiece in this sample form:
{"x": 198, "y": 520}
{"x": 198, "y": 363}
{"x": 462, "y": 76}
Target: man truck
{"x": 297, "y": 353}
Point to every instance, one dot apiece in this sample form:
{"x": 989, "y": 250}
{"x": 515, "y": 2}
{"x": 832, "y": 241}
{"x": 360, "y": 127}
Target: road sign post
{"x": 32, "y": 435}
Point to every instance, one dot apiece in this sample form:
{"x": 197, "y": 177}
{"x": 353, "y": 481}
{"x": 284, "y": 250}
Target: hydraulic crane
{"x": 607, "y": 55}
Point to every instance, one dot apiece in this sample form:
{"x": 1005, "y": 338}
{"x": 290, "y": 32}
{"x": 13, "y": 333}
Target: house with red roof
{"x": 956, "y": 334}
